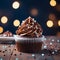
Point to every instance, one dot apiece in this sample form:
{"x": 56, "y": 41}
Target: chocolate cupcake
{"x": 7, "y": 38}
{"x": 28, "y": 37}
{"x": 7, "y": 34}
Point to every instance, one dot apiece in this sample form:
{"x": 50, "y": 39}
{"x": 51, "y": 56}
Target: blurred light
{"x": 53, "y": 52}
{"x": 49, "y": 23}
{"x": 16, "y": 23}
{"x": 52, "y": 16}
{"x": 33, "y": 55}
{"x": 16, "y": 59}
{"x": 58, "y": 34}
{"x": 58, "y": 41}
{"x": 16, "y": 5}
{"x": 53, "y": 3}
{"x": 59, "y": 23}
{"x": 34, "y": 12}
{"x": 53, "y": 40}
{"x": 45, "y": 47}
{"x": 1, "y": 58}
{"x": 58, "y": 7}
{"x": 42, "y": 54}
{"x": 55, "y": 23}
{"x": 51, "y": 43}
{"x": 1, "y": 29}
{"x": 4, "y": 19}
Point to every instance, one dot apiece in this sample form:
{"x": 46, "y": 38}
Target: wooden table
{"x": 9, "y": 52}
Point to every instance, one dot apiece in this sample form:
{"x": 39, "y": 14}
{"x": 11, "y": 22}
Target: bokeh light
{"x": 1, "y": 29}
{"x": 49, "y": 23}
{"x": 34, "y": 12}
{"x": 58, "y": 34}
{"x": 16, "y": 23}
{"x": 53, "y": 3}
{"x": 4, "y": 19}
{"x": 52, "y": 16}
{"x": 59, "y": 23}
{"x": 16, "y": 5}
{"x": 58, "y": 7}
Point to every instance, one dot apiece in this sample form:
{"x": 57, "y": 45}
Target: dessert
{"x": 6, "y": 34}
{"x": 7, "y": 38}
{"x": 29, "y": 34}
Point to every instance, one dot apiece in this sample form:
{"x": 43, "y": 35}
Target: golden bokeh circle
{"x": 59, "y": 23}
{"x": 53, "y": 3}
{"x": 49, "y": 23}
{"x": 16, "y": 23}
{"x": 1, "y": 29}
{"x": 4, "y": 19}
{"x": 16, "y": 5}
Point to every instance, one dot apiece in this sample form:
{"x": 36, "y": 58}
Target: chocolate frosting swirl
{"x": 29, "y": 28}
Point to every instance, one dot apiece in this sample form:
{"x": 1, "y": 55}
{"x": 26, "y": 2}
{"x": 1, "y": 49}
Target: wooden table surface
{"x": 9, "y": 52}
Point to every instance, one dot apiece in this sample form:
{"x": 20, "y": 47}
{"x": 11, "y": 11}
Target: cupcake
{"x": 7, "y": 38}
{"x": 29, "y": 35}
{"x": 6, "y": 34}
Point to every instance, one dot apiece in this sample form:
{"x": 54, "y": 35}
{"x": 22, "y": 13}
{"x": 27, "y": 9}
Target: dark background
{"x": 23, "y": 12}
